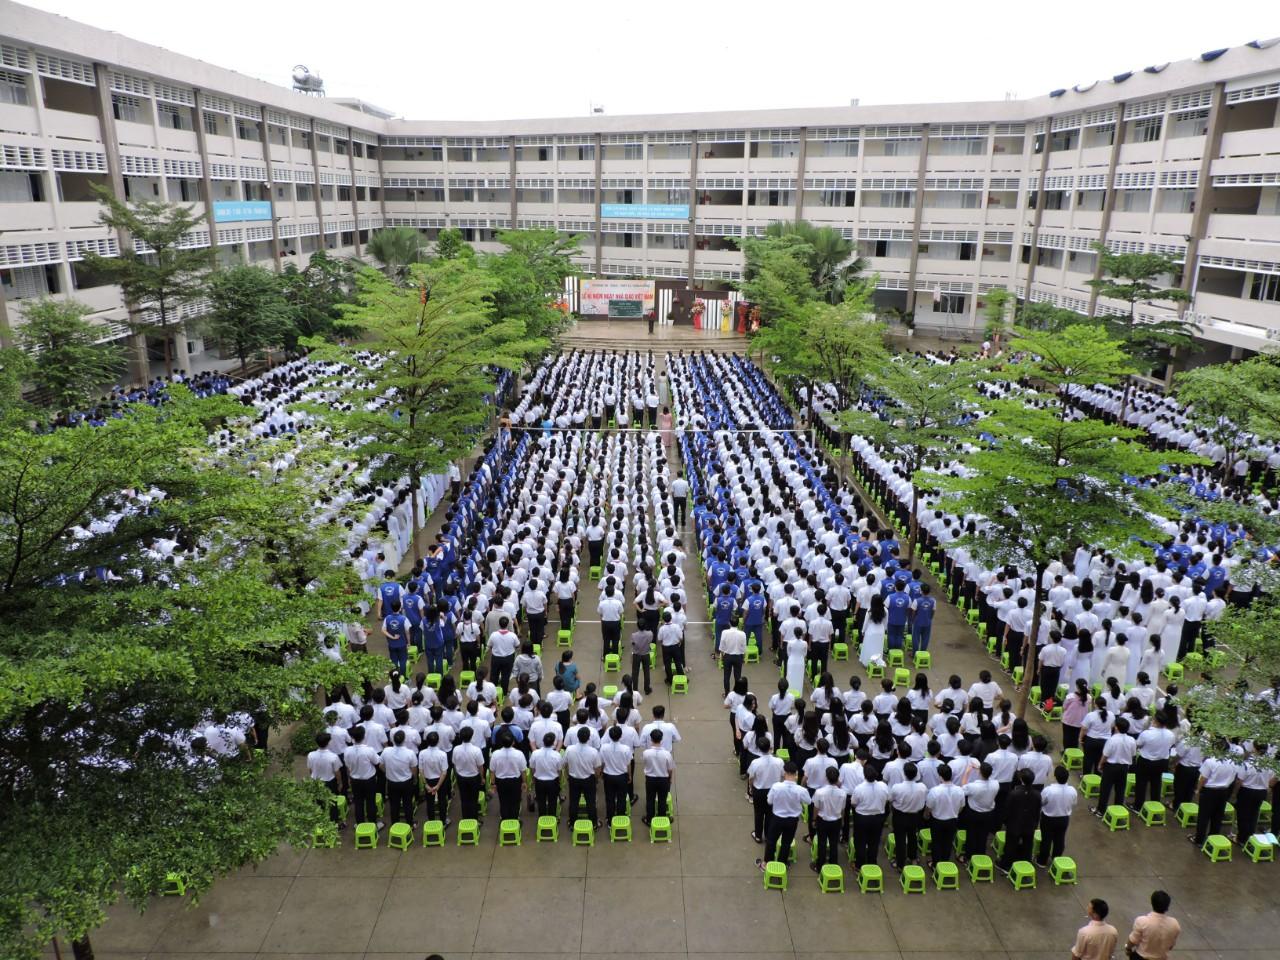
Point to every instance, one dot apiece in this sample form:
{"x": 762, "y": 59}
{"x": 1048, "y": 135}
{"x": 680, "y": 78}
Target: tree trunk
{"x": 913, "y": 525}
{"x": 1029, "y": 645}
{"x": 415, "y": 481}
{"x": 844, "y": 457}
{"x": 82, "y": 949}
{"x": 809, "y": 413}
{"x": 1124, "y": 401}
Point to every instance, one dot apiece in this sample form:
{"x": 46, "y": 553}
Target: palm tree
{"x": 396, "y": 249}
{"x": 832, "y": 264}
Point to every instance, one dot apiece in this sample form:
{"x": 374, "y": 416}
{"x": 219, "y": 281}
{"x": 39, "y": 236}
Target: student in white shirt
{"x": 399, "y": 763}
{"x": 907, "y": 798}
{"x": 1154, "y": 746}
{"x": 361, "y": 761}
{"x": 1117, "y": 760}
{"x": 582, "y": 764}
{"x": 546, "y": 764}
{"x": 829, "y": 803}
{"x": 944, "y": 803}
{"x": 762, "y": 773}
{"x": 468, "y": 762}
{"x": 615, "y": 762}
{"x": 324, "y": 765}
{"x": 787, "y": 800}
{"x": 870, "y": 800}
{"x": 1056, "y": 803}
{"x": 433, "y": 765}
{"x": 659, "y": 775}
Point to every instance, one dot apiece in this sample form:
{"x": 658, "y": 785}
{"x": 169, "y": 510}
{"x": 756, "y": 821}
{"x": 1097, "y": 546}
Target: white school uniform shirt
{"x": 659, "y": 762}
{"x": 323, "y": 764}
{"x": 468, "y": 760}
{"x": 787, "y": 798}
{"x": 870, "y": 798}
{"x": 945, "y": 801}
{"x": 1119, "y": 749}
{"x": 433, "y": 763}
{"x": 361, "y": 761}
{"x": 582, "y": 760}
{"x": 507, "y": 763}
{"x": 764, "y": 771}
{"x": 829, "y": 802}
{"x": 670, "y": 735}
{"x": 1058, "y": 800}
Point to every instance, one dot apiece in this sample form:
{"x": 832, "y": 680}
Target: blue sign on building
{"x": 231, "y": 211}
{"x": 644, "y": 211}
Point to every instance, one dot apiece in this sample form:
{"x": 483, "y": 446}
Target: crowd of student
{"x": 114, "y": 405}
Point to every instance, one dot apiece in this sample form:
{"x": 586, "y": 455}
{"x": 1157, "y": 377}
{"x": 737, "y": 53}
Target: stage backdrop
{"x": 619, "y": 298}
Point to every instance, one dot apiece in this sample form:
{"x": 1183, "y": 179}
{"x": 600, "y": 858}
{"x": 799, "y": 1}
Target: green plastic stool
{"x": 946, "y": 875}
{"x": 1264, "y": 815}
{"x": 981, "y": 869}
{"x": 1229, "y": 815}
{"x": 1259, "y": 848}
{"x": 468, "y": 833}
{"x": 1173, "y": 672}
{"x": 680, "y": 683}
{"x": 901, "y": 677}
{"x": 1188, "y": 814}
{"x": 775, "y": 875}
{"x": 997, "y": 843}
{"x": 612, "y": 663}
{"x": 923, "y": 660}
{"x": 176, "y": 886}
{"x": 322, "y": 838}
{"x": 1130, "y": 784}
{"x": 620, "y": 829}
{"x": 831, "y": 878}
{"x": 366, "y": 836}
{"x": 1091, "y": 785}
{"x": 913, "y": 879}
{"x": 660, "y": 830}
{"x": 548, "y": 830}
{"x": 466, "y": 678}
{"x": 1217, "y": 847}
{"x": 875, "y": 670}
{"x": 1022, "y": 875}
{"x": 340, "y": 802}
{"x": 839, "y": 651}
{"x": 1166, "y": 786}
{"x": 1073, "y": 758}
{"x": 870, "y": 878}
{"x": 897, "y": 658}
{"x": 1063, "y": 870}
{"x": 1116, "y": 818}
{"x": 433, "y": 833}
{"x": 1018, "y": 673}
{"x": 509, "y": 834}
{"x": 753, "y": 653}
{"x": 434, "y": 680}
{"x": 1153, "y": 813}
{"x": 564, "y": 638}
{"x": 400, "y": 836}
{"x": 584, "y": 834}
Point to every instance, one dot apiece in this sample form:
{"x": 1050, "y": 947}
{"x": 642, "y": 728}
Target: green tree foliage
{"x": 100, "y": 682}
{"x": 248, "y": 311}
{"x": 776, "y": 276}
{"x": 995, "y": 306}
{"x": 158, "y": 283}
{"x": 441, "y": 340}
{"x": 926, "y": 418}
{"x": 530, "y": 277}
{"x": 1133, "y": 278}
{"x": 1049, "y": 483}
{"x": 832, "y": 264}
{"x": 1224, "y": 399}
{"x": 67, "y": 362}
{"x": 316, "y": 294}
{"x": 396, "y": 249}
{"x": 450, "y": 245}
{"x": 1045, "y": 316}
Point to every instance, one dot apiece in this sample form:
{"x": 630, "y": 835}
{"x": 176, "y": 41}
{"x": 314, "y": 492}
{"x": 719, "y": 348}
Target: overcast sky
{"x": 427, "y": 59}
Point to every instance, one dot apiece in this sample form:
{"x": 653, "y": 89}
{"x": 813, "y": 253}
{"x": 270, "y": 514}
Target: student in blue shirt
{"x": 755, "y": 607}
{"x": 389, "y": 593}
{"x": 725, "y": 608}
{"x": 922, "y": 629}
{"x": 395, "y": 627}
{"x": 897, "y": 606}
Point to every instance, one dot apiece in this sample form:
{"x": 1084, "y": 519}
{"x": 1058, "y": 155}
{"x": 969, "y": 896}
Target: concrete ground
{"x": 699, "y": 896}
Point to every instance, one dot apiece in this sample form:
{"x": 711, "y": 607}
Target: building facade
{"x": 946, "y": 201}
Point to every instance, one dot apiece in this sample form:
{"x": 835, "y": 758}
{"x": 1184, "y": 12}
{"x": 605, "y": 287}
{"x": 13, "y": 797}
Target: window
{"x": 1147, "y": 130}
{"x": 948, "y": 303}
{"x": 902, "y": 148}
{"x": 966, "y": 251}
{"x": 13, "y": 88}
{"x": 633, "y": 151}
{"x": 966, "y": 147}
{"x": 173, "y": 117}
{"x": 836, "y": 198}
{"x": 125, "y": 108}
{"x": 1265, "y": 286}
{"x": 305, "y": 191}
{"x": 246, "y": 129}
{"x": 882, "y": 248}
{"x": 18, "y": 187}
{"x": 210, "y": 123}
{"x": 897, "y": 198}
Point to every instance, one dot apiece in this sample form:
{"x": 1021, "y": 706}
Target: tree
{"x": 451, "y": 246}
{"x": 930, "y": 411}
{"x": 776, "y": 276}
{"x": 440, "y": 341}
{"x": 1131, "y": 278}
{"x": 1045, "y": 316}
{"x": 67, "y": 362}
{"x": 316, "y": 294}
{"x": 832, "y": 264}
{"x": 1222, "y": 400}
{"x": 1047, "y": 483}
{"x": 158, "y": 273}
{"x": 530, "y": 275}
{"x": 396, "y": 249}
{"x": 102, "y": 681}
{"x": 248, "y": 311}
{"x": 995, "y": 309}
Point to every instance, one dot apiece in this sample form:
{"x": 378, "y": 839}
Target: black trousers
{"x": 1017, "y": 846}
{"x": 1187, "y": 642}
{"x": 617, "y": 789}
{"x": 546, "y": 794}
{"x": 840, "y": 621}
{"x": 640, "y": 664}
{"x": 1070, "y": 736}
{"x": 680, "y": 504}
{"x": 1053, "y": 838}
{"x": 1184, "y": 784}
{"x": 942, "y": 838}
{"x": 760, "y": 806}
{"x": 828, "y": 841}
{"x": 818, "y": 656}
{"x": 778, "y": 837}
{"x": 566, "y": 612}
{"x": 906, "y": 837}
{"x": 400, "y": 800}
{"x": 656, "y": 792}
{"x": 732, "y": 663}
{"x": 332, "y": 786}
{"x": 1114, "y": 776}
{"x": 672, "y": 660}
{"x": 362, "y": 793}
{"x": 1092, "y": 753}
{"x": 1049, "y": 682}
{"x": 1213, "y": 805}
{"x": 583, "y": 789}
{"x": 1147, "y": 774}
{"x": 866, "y": 837}
{"x": 469, "y": 797}
{"x": 500, "y": 670}
{"x": 470, "y": 654}
{"x": 537, "y": 627}
{"x": 508, "y": 797}
{"x": 438, "y": 803}
{"x": 611, "y": 635}
{"x": 1248, "y": 806}
{"x": 977, "y": 830}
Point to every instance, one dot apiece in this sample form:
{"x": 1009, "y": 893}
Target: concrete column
{"x": 271, "y": 188}
{"x": 693, "y": 202}
{"x": 206, "y": 181}
{"x": 1200, "y": 218}
{"x": 804, "y": 148}
{"x": 315, "y": 195}
{"x": 511, "y": 176}
{"x": 1109, "y": 199}
{"x": 355, "y": 204}
{"x": 1035, "y": 220}
{"x": 599, "y": 154}
{"x": 382, "y": 193}
{"x": 921, "y": 168}
{"x": 140, "y": 366}
{"x": 6, "y": 332}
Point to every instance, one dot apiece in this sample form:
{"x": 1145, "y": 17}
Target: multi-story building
{"x": 946, "y": 201}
